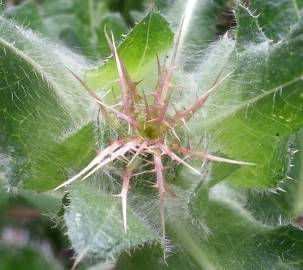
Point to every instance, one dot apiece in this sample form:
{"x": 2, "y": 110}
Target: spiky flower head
{"x": 151, "y": 129}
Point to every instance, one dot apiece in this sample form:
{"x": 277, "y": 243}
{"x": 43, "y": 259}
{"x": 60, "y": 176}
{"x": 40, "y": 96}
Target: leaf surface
{"x": 230, "y": 238}
{"x": 95, "y": 226}
{"x": 42, "y": 109}
{"x": 260, "y": 106}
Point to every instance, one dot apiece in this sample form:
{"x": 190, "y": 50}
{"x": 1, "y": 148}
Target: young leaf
{"x": 150, "y": 37}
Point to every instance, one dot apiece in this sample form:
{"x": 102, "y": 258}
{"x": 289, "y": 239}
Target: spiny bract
{"x": 149, "y": 125}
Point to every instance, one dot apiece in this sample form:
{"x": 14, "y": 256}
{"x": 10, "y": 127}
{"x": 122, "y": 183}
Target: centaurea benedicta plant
{"x": 150, "y": 127}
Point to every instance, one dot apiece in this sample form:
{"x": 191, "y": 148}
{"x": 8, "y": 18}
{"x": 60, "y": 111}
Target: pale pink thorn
{"x": 141, "y": 173}
{"x": 206, "y": 156}
{"x": 126, "y": 175}
{"x": 105, "y": 94}
{"x": 147, "y": 109}
{"x": 124, "y": 74}
{"x": 185, "y": 124}
{"x": 163, "y": 109}
{"x": 230, "y": 161}
{"x": 160, "y": 186}
{"x": 151, "y": 120}
{"x": 162, "y": 92}
{"x": 115, "y": 155}
{"x": 160, "y": 76}
{"x": 79, "y": 258}
{"x": 175, "y": 134}
{"x": 103, "y": 105}
{"x": 121, "y": 71}
{"x": 90, "y": 91}
{"x": 198, "y": 104}
{"x": 173, "y": 156}
{"x": 103, "y": 154}
{"x": 123, "y": 84}
{"x": 174, "y": 107}
{"x": 159, "y": 173}
{"x": 164, "y": 83}
{"x": 177, "y": 44}
{"x": 117, "y": 105}
{"x": 159, "y": 66}
{"x": 132, "y": 86}
{"x": 110, "y": 44}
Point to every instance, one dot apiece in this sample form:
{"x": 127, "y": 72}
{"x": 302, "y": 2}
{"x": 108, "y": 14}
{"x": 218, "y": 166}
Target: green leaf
{"x": 230, "y": 239}
{"x": 277, "y": 17}
{"x": 260, "y": 107}
{"x": 138, "y": 50}
{"x": 151, "y": 258}
{"x": 95, "y": 227}
{"x": 284, "y": 204}
{"x": 248, "y": 30}
{"x": 42, "y": 109}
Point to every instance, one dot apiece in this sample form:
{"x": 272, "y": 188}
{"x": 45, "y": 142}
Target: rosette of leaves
{"x": 234, "y": 217}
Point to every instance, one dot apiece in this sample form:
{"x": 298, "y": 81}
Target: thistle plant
{"x": 152, "y": 131}
{"x": 141, "y": 123}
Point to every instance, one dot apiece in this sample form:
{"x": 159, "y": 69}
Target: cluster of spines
{"x": 132, "y": 107}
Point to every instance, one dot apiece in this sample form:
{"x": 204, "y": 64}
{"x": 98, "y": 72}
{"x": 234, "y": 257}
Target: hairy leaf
{"x": 260, "y": 107}
{"x": 229, "y": 239}
{"x": 95, "y": 226}
{"x": 284, "y": 204}
{"x": 42, "y": 108}
{"x": 277, "y": 17}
